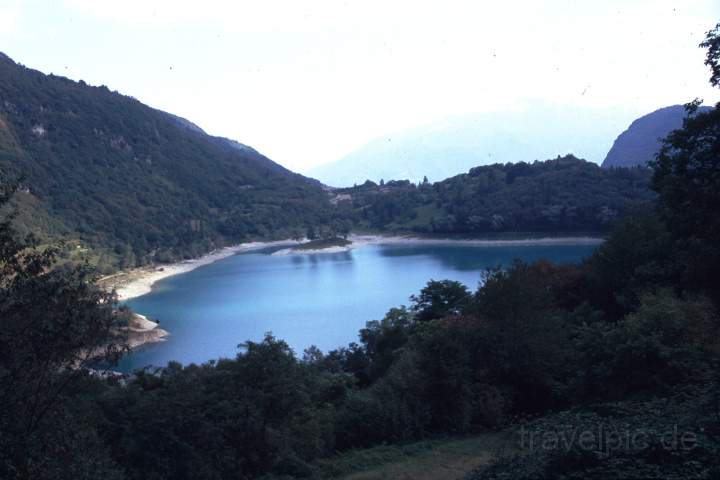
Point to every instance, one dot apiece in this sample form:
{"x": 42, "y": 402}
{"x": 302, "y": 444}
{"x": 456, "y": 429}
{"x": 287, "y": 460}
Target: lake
{"x": 306, "y": 299}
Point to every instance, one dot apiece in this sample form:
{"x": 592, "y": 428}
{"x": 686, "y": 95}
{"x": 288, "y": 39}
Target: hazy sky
{"x": 306, "y": 82}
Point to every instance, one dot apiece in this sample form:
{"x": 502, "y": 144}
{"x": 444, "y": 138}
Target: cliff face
{"x": 641, "y": 141}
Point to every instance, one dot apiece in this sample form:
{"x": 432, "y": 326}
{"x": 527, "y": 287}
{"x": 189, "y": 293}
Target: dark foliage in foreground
{"x": 53, "y": 324}
{"x": 628, "y": 340}
{"x": 668, "y": 438}
{"x": 456, "y": 362}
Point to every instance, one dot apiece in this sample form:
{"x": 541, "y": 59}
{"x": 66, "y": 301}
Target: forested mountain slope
{"x": 138, "y": 183}
{"x": 127, "y": 184}
{"x": 561, "y": 195}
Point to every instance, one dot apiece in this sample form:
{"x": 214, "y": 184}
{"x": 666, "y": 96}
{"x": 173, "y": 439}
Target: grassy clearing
{"x": 428, "y": 460}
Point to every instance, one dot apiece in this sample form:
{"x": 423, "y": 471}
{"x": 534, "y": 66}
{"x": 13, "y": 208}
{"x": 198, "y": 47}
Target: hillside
{"x": 134, "y": 184}
{"x": 639, "y": 143}
{"x": 454, "y": 145}
{"x": 561, "y": 195}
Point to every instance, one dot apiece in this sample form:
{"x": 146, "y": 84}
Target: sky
{"x": 306, "y": 82}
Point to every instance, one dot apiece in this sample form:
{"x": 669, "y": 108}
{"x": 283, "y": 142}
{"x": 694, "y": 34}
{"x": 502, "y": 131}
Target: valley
{"x": 472, "y": 298}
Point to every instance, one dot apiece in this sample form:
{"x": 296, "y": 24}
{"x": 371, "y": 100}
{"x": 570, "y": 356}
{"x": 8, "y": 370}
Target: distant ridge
{"x": 456, "y": 144}
{"x": 187, "y": 124}
{"x": 641, "y": 141}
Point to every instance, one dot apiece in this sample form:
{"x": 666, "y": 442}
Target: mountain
{"x": 565, "y": 194}
{"x": 133, "y": 184}
{"x": 454, "y": 145}
{"x": 641, "y": 141}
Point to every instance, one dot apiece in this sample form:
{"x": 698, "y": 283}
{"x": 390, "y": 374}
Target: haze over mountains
{"x": 454, "y": 145}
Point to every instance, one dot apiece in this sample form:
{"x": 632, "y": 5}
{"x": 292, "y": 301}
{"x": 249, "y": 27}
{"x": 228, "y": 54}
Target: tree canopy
{"x": 129, "y": 185}
{"x": 627, "y": 342}
{"x": 561, "y": 195}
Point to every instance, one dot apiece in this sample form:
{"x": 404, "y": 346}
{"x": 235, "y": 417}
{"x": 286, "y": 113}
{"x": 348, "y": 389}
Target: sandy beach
{"x": 139, "y": 281}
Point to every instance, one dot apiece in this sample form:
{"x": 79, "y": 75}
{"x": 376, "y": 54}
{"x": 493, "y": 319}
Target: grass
{"x": 427, "y": 460}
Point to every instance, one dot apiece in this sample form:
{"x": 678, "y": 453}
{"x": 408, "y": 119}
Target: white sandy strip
{"x": 146, "y": 278}
{"x": 362, "y": 240}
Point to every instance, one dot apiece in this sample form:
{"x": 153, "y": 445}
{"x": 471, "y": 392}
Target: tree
{"x": 342, "y": 227}
{"x": 633, "y": 259}
{"x": 117, "y": 172}
{"x": 687, "y": 180}
{"x": 54, "y": 323}
{"x": 667, "y": 341}
{"x": 712, "y": 58}
{"x": 382, "y": 340}
{"x": 440, "y": 299}
{"x": 296, "y": 234}
{"x": 523, "y": 336}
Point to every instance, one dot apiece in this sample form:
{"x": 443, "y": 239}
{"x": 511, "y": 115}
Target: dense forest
{"x": 126, "y": 185}
{"x": 561, "y": 195}
{"x": 628, "y": 342}
{"x": 135, "y": 184}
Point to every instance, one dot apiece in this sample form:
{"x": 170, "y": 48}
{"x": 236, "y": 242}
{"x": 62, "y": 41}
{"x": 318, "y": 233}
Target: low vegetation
{"x": 424, "y": 460}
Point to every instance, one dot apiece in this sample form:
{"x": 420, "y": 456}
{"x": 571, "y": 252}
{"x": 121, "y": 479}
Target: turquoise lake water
{"x": 320, "y": 299}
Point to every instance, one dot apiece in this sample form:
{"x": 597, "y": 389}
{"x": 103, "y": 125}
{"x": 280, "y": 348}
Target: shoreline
{"x": 140, "y": 281}
{"x": 359, "y": 241}
{"x": 137, "y": 282}
{"x": 473, "y": 242}
{"x": 139, "y": 331}
{"x": 142, "y": 330}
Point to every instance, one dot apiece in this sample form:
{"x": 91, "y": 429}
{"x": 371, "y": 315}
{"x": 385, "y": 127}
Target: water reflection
{"x": 315, "y": 259}
{"x": 321, "y": 299}
{"x": 473, "y": 258}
